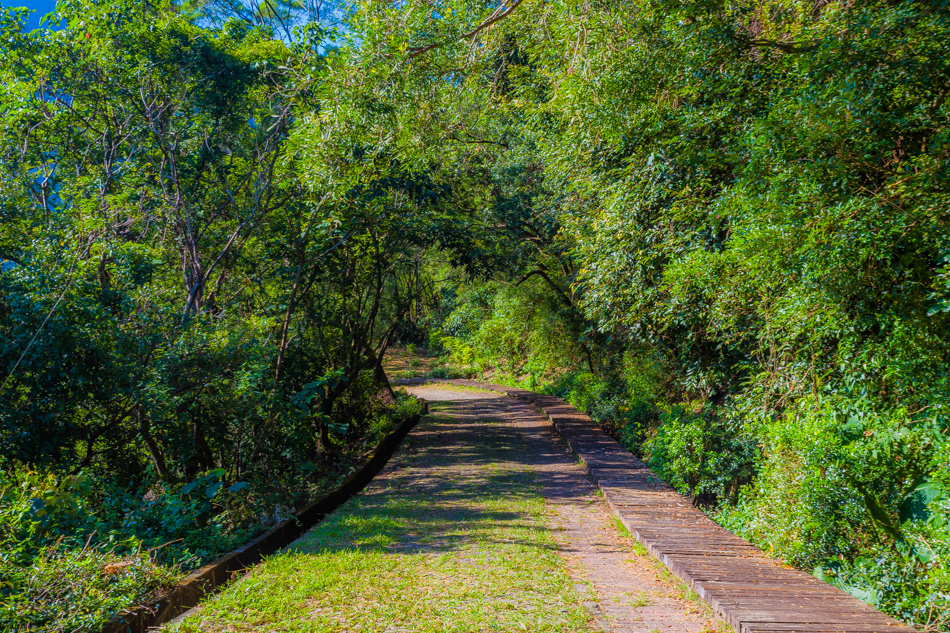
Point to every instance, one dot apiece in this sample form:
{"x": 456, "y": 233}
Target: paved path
{"x": 501, "y": 514}
{"x": 482, "y": 521}
{"x": 632, "y": 592}
{"x": 749, "y": 590}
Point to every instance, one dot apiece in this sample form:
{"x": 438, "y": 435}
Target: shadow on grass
{"x": 462, "y": 480}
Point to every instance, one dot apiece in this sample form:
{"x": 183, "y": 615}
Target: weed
{"x": 640, "y": 599}
{"x": 635, "y": 545}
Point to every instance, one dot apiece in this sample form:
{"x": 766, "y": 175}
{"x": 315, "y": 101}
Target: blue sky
{"x": 42, "y": 7}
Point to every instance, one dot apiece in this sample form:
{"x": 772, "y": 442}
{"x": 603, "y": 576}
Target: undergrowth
{"x": 77, "y": 550}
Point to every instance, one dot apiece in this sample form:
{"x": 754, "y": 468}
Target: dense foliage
{"x": 722, "y": 228}
{"x": 191, "y": 333}
{"x": 719, "y": 226}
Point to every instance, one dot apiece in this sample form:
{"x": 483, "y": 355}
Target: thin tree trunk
{"x": 153, "y": 449}
{"x": 291, "y": 307}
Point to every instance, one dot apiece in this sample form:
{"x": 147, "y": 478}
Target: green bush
{"x": 451, "y": 372}
{"x": 68, "y": 589}
{"x": 908, "y": 578}
{"x": 700, "y": 451}
{"x": 61, "y": 567}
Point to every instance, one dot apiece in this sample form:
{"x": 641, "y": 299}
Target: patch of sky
{"x": 39, "y": 9}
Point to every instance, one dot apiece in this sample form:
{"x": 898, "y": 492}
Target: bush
{"x": 58, "y": 572}
{"x": 909, "y": 578}
{"x": 67, "y": 589}
{"x": 700, "y": 451}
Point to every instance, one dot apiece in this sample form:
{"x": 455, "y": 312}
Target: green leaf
{"x": 879, "y": 515}
{"x": 869, "y": 596}
{"x": 916, "y": 505}
{"x": 924, "y": 556}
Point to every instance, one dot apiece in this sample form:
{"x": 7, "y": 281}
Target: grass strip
{"x": 455, "y": 539}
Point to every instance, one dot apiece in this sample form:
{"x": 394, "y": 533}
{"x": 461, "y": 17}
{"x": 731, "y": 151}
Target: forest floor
{"x": 482, "y": 521}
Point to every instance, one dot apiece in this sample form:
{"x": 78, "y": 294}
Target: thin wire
{"x": 39, "y": 329}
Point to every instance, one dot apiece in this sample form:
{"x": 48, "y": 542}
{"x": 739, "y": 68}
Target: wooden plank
{"x": 749, "y": 590}
{"x": 798, "y": 627}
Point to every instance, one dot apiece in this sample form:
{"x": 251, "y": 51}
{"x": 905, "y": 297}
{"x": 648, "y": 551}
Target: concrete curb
{"x": 230, "y": 566}
{"x": 746, "y": 588}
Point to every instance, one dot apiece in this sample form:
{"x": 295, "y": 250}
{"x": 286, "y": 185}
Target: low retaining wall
{"x": 215, "y": 574}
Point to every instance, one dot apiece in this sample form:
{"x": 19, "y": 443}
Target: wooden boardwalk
{"x": 746, "y": 588}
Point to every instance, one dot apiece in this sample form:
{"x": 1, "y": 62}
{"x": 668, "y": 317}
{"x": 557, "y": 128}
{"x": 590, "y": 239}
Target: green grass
{"x": 638, "y": 599}
{"x": 635, "y": 545}
{"x": 449, "y": 543}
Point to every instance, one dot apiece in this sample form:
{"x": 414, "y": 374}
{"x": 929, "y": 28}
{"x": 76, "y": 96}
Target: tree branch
{"x": 543, "y": 275}
{"x": 497, "y": 16}
{"x": 783, "y": 46}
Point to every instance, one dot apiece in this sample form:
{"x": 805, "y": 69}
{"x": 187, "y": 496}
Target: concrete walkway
{"x": 632, "y": 592}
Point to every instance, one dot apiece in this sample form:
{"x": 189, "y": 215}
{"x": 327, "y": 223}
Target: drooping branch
{"x": 543, "y": 275}
{"x": 785, "y": 47}
{"x": 477, "y": 141}
{"x": 497, "y": 16}
{"x": 4, "y": 256}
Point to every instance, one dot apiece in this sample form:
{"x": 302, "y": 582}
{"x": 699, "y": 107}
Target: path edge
{"x": 544, "y": 403}
{"x": 211, "y": 577}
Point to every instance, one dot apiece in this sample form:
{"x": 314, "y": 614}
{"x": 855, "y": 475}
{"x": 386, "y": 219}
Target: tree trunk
{"x": 153, "y": 449}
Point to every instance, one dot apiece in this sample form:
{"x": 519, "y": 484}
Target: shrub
{"x": 700, "y": 451}
{"x": 66, "y": 589}
{"x": 58, "y": 572}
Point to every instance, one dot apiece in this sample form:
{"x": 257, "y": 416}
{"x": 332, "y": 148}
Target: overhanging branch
{"x": 497, "y": 16}
{"x": 785, "y": 47}
{"x": 543, "y": 275}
